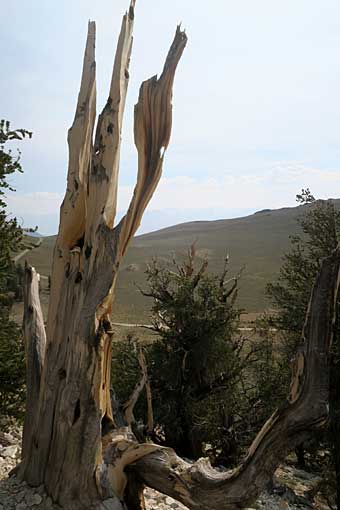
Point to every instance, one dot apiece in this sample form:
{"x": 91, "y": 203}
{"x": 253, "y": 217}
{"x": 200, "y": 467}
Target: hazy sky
{"x": 256, "y": 100}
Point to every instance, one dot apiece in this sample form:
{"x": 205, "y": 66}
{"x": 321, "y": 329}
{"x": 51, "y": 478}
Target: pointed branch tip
{"x": 132, "y": 10}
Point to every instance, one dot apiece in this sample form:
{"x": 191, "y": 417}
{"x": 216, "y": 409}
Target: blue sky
{"x": 256, "y": 106}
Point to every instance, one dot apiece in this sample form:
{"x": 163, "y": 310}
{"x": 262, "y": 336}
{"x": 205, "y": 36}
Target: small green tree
{"x": 320, "y": 225}
{"x": 210, "y": 384}
{"x": 197, "y": 362}
{"x": 12, "y": 366}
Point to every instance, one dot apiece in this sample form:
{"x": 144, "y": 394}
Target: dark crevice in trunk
{"x": 107, "y": 425}
{"x": 76, "y": 412}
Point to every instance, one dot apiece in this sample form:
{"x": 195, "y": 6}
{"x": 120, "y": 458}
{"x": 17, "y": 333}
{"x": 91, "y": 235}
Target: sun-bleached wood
{"x": 76, "y": 443}
{"x": 66, "y": 449}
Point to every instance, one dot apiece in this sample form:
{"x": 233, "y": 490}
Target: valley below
{"x": 254, "y": 244}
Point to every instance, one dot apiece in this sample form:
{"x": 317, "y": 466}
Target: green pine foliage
{"x": 268, "y": 378}
{"x": 289, "y": 295}
{"x": 197, "y": 361}
{"x": 194, "y": 364}
{"x": 12, "y": 365}
{"x": 213, "y": 388}
{"x": 124, "y": 361}
{"x": 320, "y": 226}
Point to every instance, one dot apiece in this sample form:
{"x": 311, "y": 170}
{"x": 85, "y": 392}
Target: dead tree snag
{"x": 75, "y": 442}
{"x": 63, "y": 449}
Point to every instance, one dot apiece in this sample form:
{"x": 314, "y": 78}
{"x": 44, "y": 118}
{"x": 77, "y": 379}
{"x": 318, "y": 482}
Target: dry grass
{"x": 255, "y": 242}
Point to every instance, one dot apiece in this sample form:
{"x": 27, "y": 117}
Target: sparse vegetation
{"x": 12, "y": 366}
{"x": 290, "y": 295}
{"x": 249, "y": 242}
{"x": 178, "y": 316}
{"x": 195, "y": 363}
{"x": 243, "y": 401}
{"x": 213, "y": 387}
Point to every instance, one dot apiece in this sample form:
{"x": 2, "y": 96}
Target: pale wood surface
{"x": 66, "y": 449}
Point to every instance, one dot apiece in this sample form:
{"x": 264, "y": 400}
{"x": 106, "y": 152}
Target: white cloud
{"x": 273, "y": 188}
{"x": 39, "y": 202}
{"x": 186, "y": 196}
{"x": 270, "y": 87}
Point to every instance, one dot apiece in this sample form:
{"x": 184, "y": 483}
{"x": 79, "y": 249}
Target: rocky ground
{"x": 292, "y": 488}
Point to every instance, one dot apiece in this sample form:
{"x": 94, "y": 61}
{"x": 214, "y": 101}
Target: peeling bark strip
{"x": 197, "y": 485}
{"x": 68, "y": 447}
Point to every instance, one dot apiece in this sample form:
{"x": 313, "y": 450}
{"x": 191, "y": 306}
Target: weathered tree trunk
{"x": 63, "y": 447}
{"x": 334, "y": 403}
{"x": 35, "y": 343}
{"x": 75, "y": 443}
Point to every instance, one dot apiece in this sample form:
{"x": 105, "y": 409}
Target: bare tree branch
{"x": 197, "y": 485}
{"x": 153, "y": 121}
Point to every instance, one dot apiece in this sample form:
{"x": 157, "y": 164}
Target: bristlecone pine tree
{"x": 74, "y": 444}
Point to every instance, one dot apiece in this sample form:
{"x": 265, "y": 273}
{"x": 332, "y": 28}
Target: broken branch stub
{"x": 153, "y": 121}
{"x": 103, "y": 176}
{"x": 73, "y": 209}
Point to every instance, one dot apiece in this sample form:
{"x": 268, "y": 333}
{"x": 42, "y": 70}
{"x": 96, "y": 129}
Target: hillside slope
{"x": 255, "y": 242}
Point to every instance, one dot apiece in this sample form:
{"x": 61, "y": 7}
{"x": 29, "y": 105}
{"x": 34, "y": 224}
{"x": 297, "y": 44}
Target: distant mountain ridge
{"x": 255, "y": 243}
